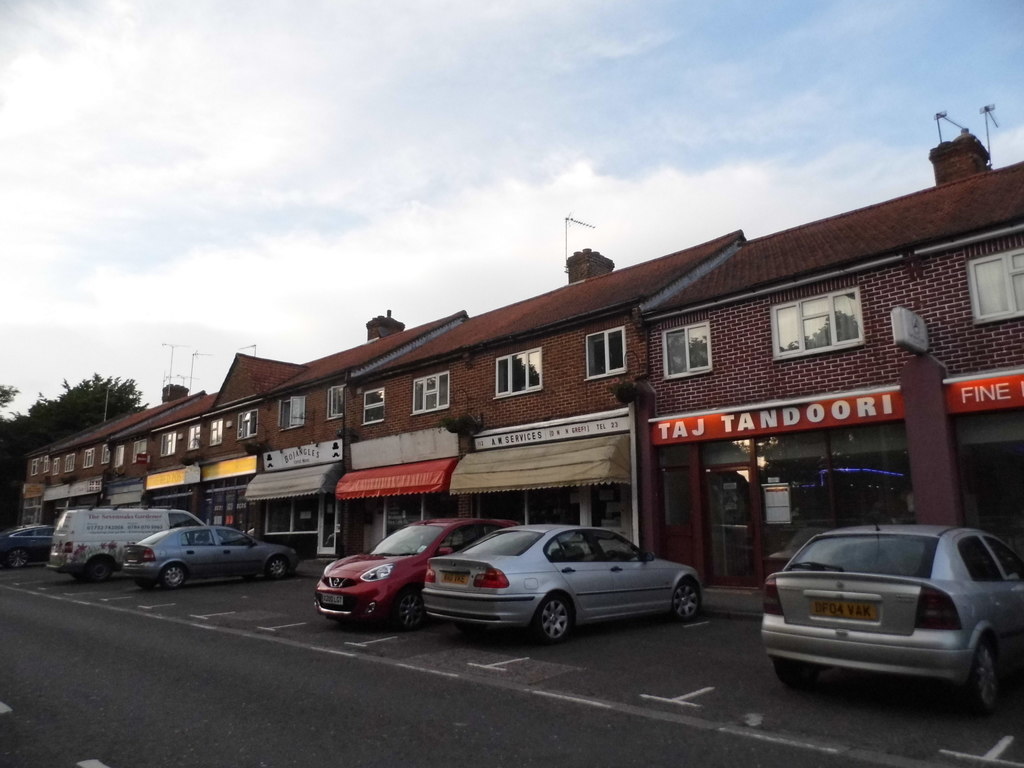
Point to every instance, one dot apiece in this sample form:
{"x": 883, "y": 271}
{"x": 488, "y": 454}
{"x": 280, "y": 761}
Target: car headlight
{"x": 379, "y": 573}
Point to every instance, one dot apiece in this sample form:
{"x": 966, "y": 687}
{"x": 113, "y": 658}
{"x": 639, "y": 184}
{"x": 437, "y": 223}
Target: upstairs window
{"x": 168, "y": 442}
{"x": 88, "y": 458}
{"x": 373, "y": 406}
{"x": 293, "y": 412}
{"x": 818, "y": 324}
{"x": 105, "y": 455}
{"x": 517, "y": 373}
{"x": 46, "y": 464}
{"x": 216, "y": 431}
{"x": 139, "y": 448}
{"x": 997, "y": 286}
{"x": 247, "y": 423}
{"x": 35, "y": 467}
{"x": 195, "y": 441}
{"x": 430, "y": 393}
{"x": 119, "y": 456}
{"x": 606, "y": 353}
{"x": 336, "y": 402}
{"x": 69, "y": 463}
{"x": 687, "y": 350}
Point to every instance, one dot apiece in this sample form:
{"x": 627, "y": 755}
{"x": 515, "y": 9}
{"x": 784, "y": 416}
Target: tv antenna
{"x": 191, "y": 378}
{"x": 251, "y": 346}
{"x": 170, "y": 368}
{"x": 568, "y": 221}
{"x": 987, "y": 112}
{"x": 942, "y": 116}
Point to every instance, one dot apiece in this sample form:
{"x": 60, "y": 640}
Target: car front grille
{"x": 337, "y": 583}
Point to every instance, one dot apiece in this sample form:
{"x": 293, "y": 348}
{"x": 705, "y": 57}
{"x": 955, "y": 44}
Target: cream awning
{"x": 303, "y": 481}
{"x": 593, "y": 461}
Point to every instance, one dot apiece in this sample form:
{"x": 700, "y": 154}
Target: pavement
{"x": 724, "y": 602}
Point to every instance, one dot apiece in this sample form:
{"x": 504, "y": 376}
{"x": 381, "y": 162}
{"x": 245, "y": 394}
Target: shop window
{"x": 292, "y": 515}
{"x": 247, "y": 424}
{"x": 871, "y": 475}
{"x": 518, "y": 373}
{"x": 687, "y": 350}
{"x": 430, "y": 393}
{"x": 336, "y": 402}
{"x": 997, "y": 286}
{"x": 606, "y": 353}
{"x": 373, "y": 406}
{"x": 818, "y": 324}
{"x": 293, "y": 412}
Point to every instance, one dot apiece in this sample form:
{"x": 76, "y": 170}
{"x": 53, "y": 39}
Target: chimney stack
{"x": 587, "y": 263}
{"x": 379, "y": 327}
{"x": 958, "y": 159}
{"x": 174, "y": 392}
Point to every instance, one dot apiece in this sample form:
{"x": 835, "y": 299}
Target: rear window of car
{"x": 503, "y": 543}
{"x": 883, "y": 554}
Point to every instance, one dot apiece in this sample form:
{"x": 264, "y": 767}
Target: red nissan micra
{"x": 385, "y": 584}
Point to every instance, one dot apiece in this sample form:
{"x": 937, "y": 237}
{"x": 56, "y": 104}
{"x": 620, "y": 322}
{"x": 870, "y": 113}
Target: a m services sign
{"x": 853, "y": 410}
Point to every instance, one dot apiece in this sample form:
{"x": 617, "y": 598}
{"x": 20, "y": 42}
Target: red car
{"x": 385, "y": 585}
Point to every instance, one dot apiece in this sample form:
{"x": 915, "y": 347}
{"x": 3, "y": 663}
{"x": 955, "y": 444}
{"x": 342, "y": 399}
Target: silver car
{"x": 553, "y": 577}
{"x": 920, "y": 600}
{"x": 170, "y": 558}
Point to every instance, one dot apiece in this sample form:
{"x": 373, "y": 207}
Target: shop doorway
{"x": 732, "y": 539}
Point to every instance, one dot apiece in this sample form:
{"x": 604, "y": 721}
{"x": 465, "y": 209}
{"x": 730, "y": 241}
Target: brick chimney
{"x": 380, "y": 327}
{"x": 957, "y": 159}
{"x": 173, "y": 392}
{"x": 587, "y": 263}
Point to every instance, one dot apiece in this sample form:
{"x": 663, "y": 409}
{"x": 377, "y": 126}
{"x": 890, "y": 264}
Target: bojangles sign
{"x": 858, "y": 409}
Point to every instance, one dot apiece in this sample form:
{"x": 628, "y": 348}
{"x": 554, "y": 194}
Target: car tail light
{"x": 148, "y": 555}
{"x": 936, "y": 610}
{"x": 492, "y": 578}
{"x": 430, "y": 577}
{"x": 772, "y": 603}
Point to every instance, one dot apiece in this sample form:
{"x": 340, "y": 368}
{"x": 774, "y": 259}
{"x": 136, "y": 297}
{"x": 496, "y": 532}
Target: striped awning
{"x": 397, "y": 480}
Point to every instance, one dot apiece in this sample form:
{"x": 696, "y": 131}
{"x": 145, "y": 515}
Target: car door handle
{"x": 568, "y": 569}
{"x": 190, "y": 551}
{"x": 616, "y": 568}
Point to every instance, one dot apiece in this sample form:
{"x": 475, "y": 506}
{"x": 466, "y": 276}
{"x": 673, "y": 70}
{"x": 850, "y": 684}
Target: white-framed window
{"x": 606, "y": 353}
{"x": 35, "y": 466}
{"x": 119, "y": 456}
{"x": 293, "y": 412}
{"x": 69, "y": 463}
{"x": 336, "y": 402}
{"x": 139, "y": 448}
{"x": 687, "y": 350}
{"x": 373, "y": 406}
{"x": 46, "y": 464}
{"x": 168, "y": 442}
{"x": 817, "y": 324}
{"x": 195, "y": 437}
{"x": 216, "y": 431}
{"x": 88, "y": 458}
{"x": 247, "y": 423}
{"x": 997, "y": 286}
{"x": 56, "y": 465}
{"x": 430, "y": 393}
{"x": 517, "y": 373}
{"x": 105, "y": 455}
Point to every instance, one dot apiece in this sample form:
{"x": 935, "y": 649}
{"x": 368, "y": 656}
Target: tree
{"x": 7, "y": 394}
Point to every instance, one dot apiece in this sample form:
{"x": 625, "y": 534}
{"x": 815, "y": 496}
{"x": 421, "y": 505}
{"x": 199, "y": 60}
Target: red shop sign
{"x": 818, "y": 414}
{"x": 990, "y": 394}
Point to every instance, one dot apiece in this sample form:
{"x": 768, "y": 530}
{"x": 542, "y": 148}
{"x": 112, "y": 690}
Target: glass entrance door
{"x": 731, "y": 535}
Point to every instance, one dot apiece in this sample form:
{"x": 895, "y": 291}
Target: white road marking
{"x": 211, "y": 615}
{"x": 158, "y": 605}
{"x": 746, "y": 732}
{"x": 497, "y": 666}
{"x": 4, "y": 709}
{"x": 576, "y": 699}
{"x": 112, "y": 599}
{"x": 681, "y": 700}
{"x": 999, "y": 748}
{"x": 91, "y": 764}
{"x": 695, "y": 624}
{"x": 279, "y": 626}
{"x": 440, "y": 672}
{"x": 371, "y": 642}
{"x": 992, "y": 757}
{"x": 753, "y": 720}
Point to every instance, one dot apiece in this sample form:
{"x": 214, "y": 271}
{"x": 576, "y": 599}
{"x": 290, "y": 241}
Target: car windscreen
{"x": 505, "y": 542}
{"x": 879, "y": 553}
{"x": 410, "y": 540}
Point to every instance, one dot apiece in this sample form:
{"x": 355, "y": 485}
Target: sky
{"x": 183, "y": 181}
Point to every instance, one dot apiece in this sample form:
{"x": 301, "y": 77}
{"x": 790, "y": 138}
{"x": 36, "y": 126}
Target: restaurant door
{"x": 731, "y": 537}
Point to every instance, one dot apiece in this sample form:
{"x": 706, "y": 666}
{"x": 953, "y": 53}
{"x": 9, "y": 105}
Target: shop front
{"x": 296, "y": 492}
{"x": 223, "y": 493}
{"x": 176, "y": 489}
{"x": 125, "y": 493}
{"x": 739, "y": 490}
{"x": 31, "y": 504}
{"x": 576, "y": 472}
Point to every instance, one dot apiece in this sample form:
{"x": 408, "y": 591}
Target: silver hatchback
{"x": 928, "y": 601}
{"x": 553, "y": 577}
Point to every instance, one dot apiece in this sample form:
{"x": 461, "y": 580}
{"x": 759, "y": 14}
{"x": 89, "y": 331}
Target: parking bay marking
{"x": 279, "y": 626}
{"x": 992, "y": 757}
{"x": 371, "y": 642}
{"x": 497, "y": 666}
{"x": 683, "y": 700}
{"x": 4, "y": 709}
{"x": 211, "y": 615}
{"x": 158, "y": 605}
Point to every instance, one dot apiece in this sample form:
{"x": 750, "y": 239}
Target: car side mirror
{"x": 445, "y": 550}
{"x": 646, "y": 557}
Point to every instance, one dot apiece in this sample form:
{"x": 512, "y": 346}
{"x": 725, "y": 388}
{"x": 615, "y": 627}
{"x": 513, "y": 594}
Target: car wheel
{"x": 982, "y": 687}
{"x": 685, "y": 600}
{"x": 173, "y": 576}
{"x": 277, "y": 567}
{"x": 145, "y": 583}
{"x": 552, "y": 623}
{"x": 408, "y": 612}
{"x": 796, "y": 674}
{"x": 98, "y": 569}
{"x": 16, "y": 558}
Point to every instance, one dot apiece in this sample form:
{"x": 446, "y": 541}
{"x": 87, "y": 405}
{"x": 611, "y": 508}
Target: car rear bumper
{"x": 507, "y": 610}
{"x": 933, "y": 654}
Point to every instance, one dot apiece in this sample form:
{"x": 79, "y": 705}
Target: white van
{"x": 89, "y": 543}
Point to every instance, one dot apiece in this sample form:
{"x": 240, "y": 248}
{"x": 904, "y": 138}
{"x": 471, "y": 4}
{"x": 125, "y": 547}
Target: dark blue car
{"x": 25, "y": 544}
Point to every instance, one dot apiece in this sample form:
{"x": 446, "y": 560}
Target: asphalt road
{"x": 235, "y": 673}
